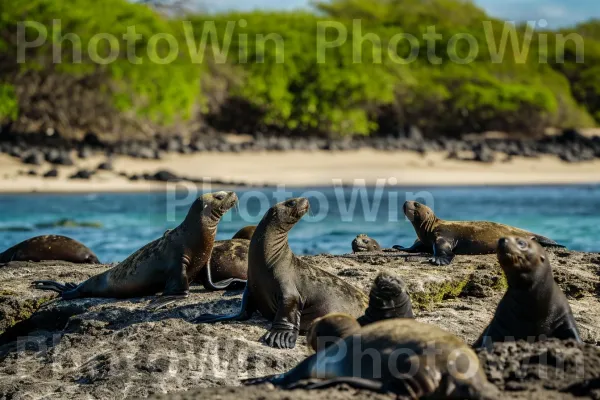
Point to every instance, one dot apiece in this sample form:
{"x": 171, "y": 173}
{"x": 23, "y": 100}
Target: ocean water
{"x": 568, "y": 214}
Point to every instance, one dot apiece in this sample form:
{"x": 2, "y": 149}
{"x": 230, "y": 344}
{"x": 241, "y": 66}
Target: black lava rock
{"x": 58, "y": 157}
{"x": 53, "y": 173}
{"x": 106, "y": 166}
{"x": 165, "y": 176}
{"x": 82, "y": 174}
{"x": 34, "y": 158}
{"x": 84, "y": 153}
{"x": 482, "y": 153}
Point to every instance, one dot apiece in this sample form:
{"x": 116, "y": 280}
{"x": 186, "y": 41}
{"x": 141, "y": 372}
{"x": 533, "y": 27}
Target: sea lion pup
{"x": 330, "y": 328}
{"x": 533, "y": 306}
{"x": 245, "y": 233}
{"x": 50, "y": 247}
{"x": 401, "y": 356}
{"x": 168, "y": 264}
{"x": 446, "y": 238}
{"x": 363, "y": 242}
{"x": 228, "y": 264}
{"x": 388, "y": 299}
{"x": 284, "y": 288}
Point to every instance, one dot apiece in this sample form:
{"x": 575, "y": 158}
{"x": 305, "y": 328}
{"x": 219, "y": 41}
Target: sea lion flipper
{"x": 286, "y": 324}
{"x": 417, "y": 247}
{"x": 354, "y": 382}
{"x": 164, "y": 300}
{"x": 442, "y": 252}
{"x": 207, "y": 281}
{"x": 567, "y": 331}
{"x": 244, "y": 314}
{"x": 67, "y": 291}
{"x": 546, "y": 242}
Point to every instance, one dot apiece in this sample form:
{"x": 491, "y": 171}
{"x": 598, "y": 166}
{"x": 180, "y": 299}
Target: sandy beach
{"x": 298, "y": 168}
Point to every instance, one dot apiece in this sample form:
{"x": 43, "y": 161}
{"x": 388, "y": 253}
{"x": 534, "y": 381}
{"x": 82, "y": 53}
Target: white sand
{"x": 298, "y": 168}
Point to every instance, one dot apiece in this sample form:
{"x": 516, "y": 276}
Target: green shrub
{"x": 9, "y": 108}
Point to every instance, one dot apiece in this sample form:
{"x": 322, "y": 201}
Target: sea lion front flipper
{"x": 176, "y": 288}
{"x": 417, "y": 247}
{"x": 244, "y": 314}
{"x": 442, "y": 252}
{"x": 54, "y": 286}
{"x": 286, "y": 324}
{"x": 164, "y": 300}
{"x": 354, "y": 382}
{"x": 567, "y": 331}
{"x": 546, "y": 242}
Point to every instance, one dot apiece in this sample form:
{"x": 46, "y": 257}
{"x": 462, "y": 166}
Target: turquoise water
{"x": 568, "y": 214}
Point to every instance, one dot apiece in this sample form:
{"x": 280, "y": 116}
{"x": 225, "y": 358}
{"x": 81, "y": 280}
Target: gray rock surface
{"x": 108, "y": 348}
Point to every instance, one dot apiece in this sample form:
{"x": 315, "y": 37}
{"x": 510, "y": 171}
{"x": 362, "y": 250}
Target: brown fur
{"x": 50, "y": 247}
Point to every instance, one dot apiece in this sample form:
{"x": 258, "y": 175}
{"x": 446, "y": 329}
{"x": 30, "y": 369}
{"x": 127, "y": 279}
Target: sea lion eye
{"x": 521, "y": 243}
{"x": 219, "y": 197}
{"x": 291, "y": 203}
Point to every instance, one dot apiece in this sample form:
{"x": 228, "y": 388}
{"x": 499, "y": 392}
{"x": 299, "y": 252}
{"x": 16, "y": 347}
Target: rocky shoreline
{"x": 107, "y": 348}
{"x": 35, "y": 151}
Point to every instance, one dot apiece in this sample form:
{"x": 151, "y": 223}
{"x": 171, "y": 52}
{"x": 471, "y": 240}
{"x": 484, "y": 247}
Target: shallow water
{"x": 568, "y": 214}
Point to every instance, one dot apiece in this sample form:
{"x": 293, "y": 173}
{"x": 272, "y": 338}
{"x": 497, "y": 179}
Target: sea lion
{"x": 168, "y": 264}
{"x": 284, "y": 288}
{"x": 401, "y": 356}
{"x": 50, "y": 247}
{"x": 388, "y": 299}
{"x": 228, "y": 264}
{"x": 330, "y": 328}
{"x": 445, "y": 239}
{"x": 363, "y": 242}
{"x": 245, "y": 233}
{"x": 533, "y": 306}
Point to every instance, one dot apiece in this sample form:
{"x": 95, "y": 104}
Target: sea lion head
{"x": 210, "y": 207}
{"x": 91, "y": 259}
{"x": 364, "y": 243}
{"x": 418, "y": 214}
{"x": 388, "y": 299}
{"x": 521, "y": 258}
{"x": 287, "y": 213}
{"x": 330, "y": 328}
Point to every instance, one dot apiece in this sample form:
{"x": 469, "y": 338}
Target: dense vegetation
{"x": 263, "y": 71}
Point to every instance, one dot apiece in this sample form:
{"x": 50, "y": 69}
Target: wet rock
{"x": 15, "y": 151}
{"x": 53, "y": 173}
{"x": 34, "y": 157}
{"x": 482, "y": 153}
{"x": 165, "y": 176}
{"x": 58, "y": 157}
{"x": 84, "y": 153}
{"x": 106, "y": 165}
{"x": 82, "y": 174}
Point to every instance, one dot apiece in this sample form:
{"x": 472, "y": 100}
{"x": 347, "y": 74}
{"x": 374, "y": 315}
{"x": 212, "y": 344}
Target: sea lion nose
{"x": 503, "y": 243}
{"x": 303, "y": 202}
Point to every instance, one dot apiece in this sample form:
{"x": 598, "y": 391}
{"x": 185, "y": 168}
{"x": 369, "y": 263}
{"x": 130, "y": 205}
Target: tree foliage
{"x": 267, "y": 67}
